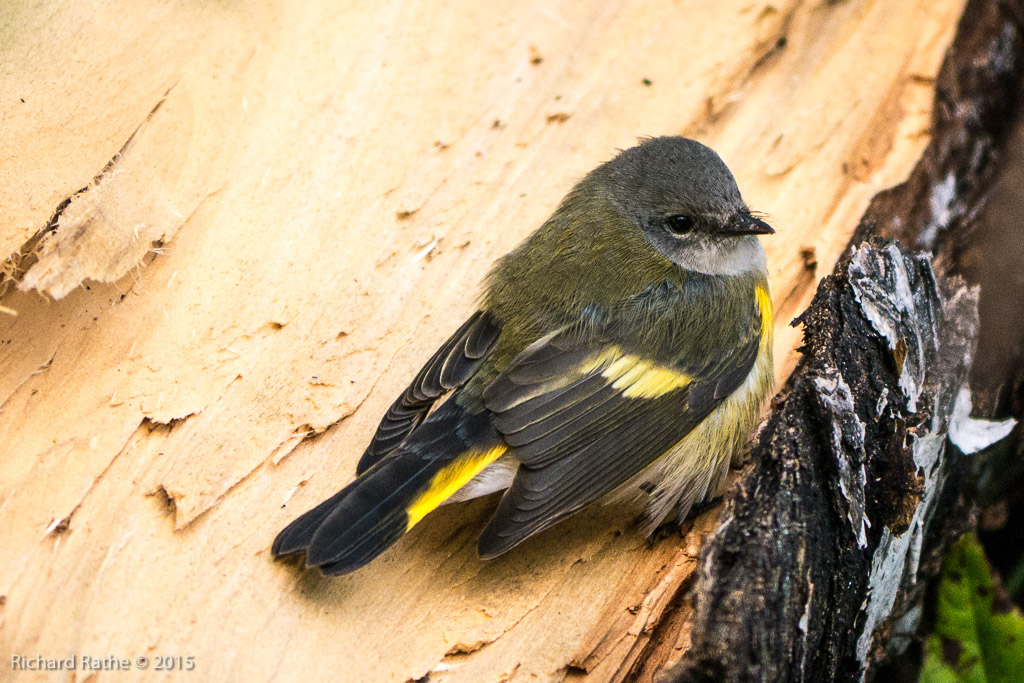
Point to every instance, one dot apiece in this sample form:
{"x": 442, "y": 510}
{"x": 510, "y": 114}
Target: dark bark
{"x": 827, "y": 543}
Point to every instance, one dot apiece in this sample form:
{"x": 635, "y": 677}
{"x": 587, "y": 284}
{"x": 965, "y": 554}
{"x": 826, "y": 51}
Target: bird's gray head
{"x": 685, "y": 200}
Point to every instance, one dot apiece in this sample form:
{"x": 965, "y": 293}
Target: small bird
{"x": 626, "y": 345}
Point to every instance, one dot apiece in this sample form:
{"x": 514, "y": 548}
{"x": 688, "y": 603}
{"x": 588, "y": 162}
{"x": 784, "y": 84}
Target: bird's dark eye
{"x": 679, "y": 225}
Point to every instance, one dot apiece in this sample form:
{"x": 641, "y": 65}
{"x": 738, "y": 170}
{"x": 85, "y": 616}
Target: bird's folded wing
{"x": 450, "y": 367}
{"x": 585, "y": 416}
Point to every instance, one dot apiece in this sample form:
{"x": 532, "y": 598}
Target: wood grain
{"x": 330, "y": 184}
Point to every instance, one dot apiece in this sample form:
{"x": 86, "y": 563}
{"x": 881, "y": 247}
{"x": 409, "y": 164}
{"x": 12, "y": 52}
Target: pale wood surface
{"x": 331, "y": 184}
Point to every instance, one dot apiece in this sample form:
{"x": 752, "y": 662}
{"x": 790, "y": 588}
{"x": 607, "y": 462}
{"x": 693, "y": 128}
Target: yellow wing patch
{"x": 634, "y": 376}
{"x": 764, "y": 305}
{"x": 450, "y": 479}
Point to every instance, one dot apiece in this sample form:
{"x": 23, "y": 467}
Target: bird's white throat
{"x": 720, "y": 256}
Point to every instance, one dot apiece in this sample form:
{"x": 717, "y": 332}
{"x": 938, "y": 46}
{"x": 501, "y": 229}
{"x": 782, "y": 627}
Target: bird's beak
{"x": 746, "y": 224}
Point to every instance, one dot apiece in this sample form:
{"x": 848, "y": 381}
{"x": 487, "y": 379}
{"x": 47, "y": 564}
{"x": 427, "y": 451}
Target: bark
{"x": 826, "y": 547}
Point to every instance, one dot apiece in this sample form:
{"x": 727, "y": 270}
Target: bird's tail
{"x": 369, "y": 515}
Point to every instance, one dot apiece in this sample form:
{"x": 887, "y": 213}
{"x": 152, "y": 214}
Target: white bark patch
{"x": 894, "y": 553}
{"x": 847, "y": 441}
{"x": 941, "y": 203}
{"x": 972, "y": 434}
{"x": 881, "y": 285}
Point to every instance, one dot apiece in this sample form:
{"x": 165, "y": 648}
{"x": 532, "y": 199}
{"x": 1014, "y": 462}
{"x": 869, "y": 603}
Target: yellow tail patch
{"x": 634, "y": 376}
{"x": 450, "y": 479}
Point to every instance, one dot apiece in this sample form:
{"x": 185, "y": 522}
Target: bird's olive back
{"x": 598, "y": 257}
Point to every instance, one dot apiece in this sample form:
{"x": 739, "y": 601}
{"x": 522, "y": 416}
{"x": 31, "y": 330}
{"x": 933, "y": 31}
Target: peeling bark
{"x": 826, "y": 545}
{"x": 108, "y": 227}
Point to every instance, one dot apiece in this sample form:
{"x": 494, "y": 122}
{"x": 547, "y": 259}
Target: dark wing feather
{"x": 578, "y": 436}
{"x": 449, "y": 368}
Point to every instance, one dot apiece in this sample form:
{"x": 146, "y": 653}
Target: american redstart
{"x": 626, "y": 344}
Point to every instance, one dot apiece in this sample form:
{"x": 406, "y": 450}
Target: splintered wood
{"x": 232, "y": 233}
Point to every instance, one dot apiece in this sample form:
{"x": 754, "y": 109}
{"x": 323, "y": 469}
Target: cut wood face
{"x": 329, "y": 186}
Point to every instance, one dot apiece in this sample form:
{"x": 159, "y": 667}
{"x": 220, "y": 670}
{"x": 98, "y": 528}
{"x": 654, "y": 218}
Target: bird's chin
{"x": 717, "y": 255}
